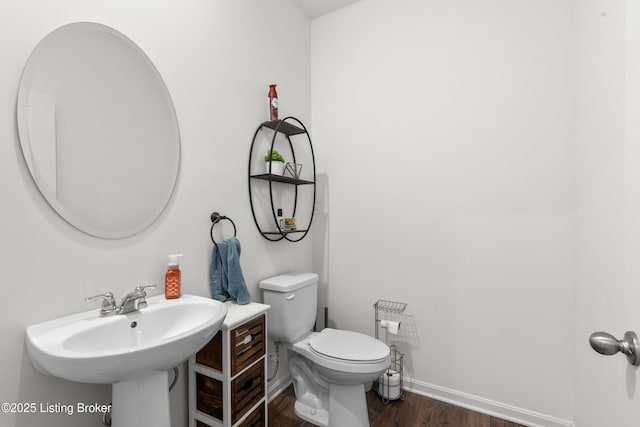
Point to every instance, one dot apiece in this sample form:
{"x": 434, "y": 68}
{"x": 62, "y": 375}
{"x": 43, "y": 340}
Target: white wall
{"x": 447, "y": 132}
{"x": 445, "y": 136}
{"x": 217, "y": 58}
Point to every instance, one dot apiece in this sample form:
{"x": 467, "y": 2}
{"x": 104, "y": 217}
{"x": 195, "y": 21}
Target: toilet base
{"x": 348, "y": 406}
{"x": 315, "y": 416}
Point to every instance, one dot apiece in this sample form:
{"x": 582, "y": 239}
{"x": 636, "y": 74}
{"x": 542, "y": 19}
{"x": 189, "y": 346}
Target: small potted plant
{"x": 274, "y": 162}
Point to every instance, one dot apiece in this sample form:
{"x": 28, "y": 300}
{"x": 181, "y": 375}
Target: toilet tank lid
{"x": 289, "y": 282}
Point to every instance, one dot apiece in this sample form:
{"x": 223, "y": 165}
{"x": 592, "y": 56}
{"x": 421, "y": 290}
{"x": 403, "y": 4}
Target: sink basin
{"x": 133, "y": 351}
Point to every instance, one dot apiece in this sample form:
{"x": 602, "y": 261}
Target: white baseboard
{"x": 465, "y": 400}
{"x": 485, "y": 406}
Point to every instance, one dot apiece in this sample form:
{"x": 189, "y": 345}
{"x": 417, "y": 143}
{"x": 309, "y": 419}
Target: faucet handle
{"x": 142, "y": 303}
{"x": 108, "y": 303}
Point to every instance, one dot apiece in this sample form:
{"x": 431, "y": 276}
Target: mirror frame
{"x": 22, "y": 117}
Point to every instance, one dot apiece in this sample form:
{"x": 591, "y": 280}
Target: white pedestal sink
{"x": 133, "y": 352}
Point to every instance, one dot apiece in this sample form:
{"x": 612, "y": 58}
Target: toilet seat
{"x": 348, "y": 346}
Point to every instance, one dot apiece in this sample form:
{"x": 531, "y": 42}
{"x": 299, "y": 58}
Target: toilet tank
{"x": 293, "y": 300}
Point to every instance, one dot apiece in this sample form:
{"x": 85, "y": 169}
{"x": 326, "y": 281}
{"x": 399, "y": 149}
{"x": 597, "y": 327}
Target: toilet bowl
{"x": 328, "y": 368}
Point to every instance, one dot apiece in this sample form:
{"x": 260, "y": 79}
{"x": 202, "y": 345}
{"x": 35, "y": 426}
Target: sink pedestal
{"x": 141, "y": 401}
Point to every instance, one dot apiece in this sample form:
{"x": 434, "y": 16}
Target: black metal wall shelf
{"x": 277, "y": 233}
{"x": 283, "y": 127}
{"x": 287, "y": 129}
{"x": 281, "y": 178}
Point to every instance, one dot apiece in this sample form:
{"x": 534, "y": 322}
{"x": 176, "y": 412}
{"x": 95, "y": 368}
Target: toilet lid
{"x": 348, "y": 345}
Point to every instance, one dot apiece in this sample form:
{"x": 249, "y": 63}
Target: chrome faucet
{"x": 133, "y": 301}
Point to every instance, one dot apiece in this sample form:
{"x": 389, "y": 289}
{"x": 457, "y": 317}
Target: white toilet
{"x": 328, "y": 368}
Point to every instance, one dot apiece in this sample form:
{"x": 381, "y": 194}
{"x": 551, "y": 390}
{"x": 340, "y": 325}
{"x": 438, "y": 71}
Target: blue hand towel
{"x": 225, "y": 275}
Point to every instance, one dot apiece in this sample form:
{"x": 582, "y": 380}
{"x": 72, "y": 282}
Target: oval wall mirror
{"x": 98, "y": 130}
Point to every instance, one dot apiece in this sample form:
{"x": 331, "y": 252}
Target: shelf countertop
{"x": 238, "y": 314}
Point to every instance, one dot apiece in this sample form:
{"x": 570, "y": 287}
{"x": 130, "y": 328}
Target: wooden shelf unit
{"x": 228, "y": 376}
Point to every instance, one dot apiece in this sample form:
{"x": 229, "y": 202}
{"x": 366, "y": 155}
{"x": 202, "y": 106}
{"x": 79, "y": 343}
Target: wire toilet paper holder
{"x": 390, "y": 383}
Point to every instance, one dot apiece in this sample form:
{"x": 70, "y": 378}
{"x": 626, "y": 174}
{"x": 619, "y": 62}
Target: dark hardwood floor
{"x": 414, "y": 410}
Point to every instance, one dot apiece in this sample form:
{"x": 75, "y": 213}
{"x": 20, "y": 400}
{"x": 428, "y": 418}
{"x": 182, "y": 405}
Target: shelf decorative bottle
{"x": 273, "y": 103}
{"x": 280, "y": 220}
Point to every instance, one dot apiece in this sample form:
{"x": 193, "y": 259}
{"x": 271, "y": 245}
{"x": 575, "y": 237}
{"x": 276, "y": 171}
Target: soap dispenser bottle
{"x": 172, "y": 278}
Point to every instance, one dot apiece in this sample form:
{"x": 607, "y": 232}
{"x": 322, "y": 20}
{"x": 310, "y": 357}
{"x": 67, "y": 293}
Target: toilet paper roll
{"x": 391, "y": 326}
{"x": 390, "y": 377}
{"x": 389, "y": 385}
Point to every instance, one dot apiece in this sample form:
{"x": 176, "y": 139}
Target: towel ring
{"x": 216, "y": 218}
